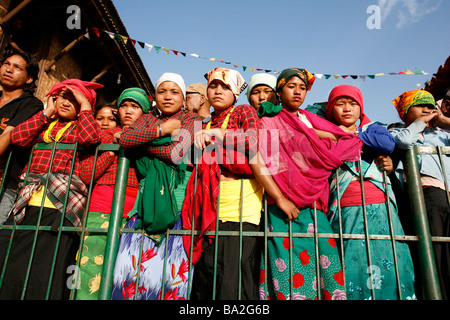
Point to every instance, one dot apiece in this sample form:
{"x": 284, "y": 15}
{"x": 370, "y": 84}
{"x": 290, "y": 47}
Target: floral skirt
{"x": 381, "y": 277}
{"x": 303, "y": 280}
{"x": 164, "y": 270}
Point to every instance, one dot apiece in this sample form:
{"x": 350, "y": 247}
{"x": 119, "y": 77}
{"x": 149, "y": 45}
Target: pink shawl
{"x": 303, "y": 163}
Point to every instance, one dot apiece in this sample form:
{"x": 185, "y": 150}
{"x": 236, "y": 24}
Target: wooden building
{"x": 66, "y": 45}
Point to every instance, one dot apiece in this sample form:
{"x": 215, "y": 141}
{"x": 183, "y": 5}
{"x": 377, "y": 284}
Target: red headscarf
{"x": 347, "y": 91}
{"x": 86, "y": 88}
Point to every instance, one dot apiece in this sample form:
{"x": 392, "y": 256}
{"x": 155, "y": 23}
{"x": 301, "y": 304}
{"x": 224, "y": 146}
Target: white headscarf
{"x": 265, "y": 79}
{"x": 174, "y": 77}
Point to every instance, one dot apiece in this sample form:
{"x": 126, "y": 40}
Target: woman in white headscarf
{"x": 155, "y": 266}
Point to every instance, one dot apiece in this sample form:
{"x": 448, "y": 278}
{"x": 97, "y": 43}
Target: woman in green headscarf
{"x": 132, "y": 104}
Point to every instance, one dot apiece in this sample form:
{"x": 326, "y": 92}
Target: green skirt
{"x": 303, "y": 280}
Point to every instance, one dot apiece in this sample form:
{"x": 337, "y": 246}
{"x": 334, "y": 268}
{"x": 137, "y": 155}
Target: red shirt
{"x": 86, "y": 132}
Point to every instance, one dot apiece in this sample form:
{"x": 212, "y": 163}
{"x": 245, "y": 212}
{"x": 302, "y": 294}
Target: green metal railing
{"x": 423, "y": 238}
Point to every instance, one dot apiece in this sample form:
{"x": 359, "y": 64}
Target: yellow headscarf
{"x": 410, "y": 99}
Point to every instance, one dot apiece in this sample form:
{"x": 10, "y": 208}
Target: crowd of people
{"x": 200, "y": 162}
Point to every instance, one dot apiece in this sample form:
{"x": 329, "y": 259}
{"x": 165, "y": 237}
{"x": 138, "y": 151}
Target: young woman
{"x": 309, "y": 149}
{"x": 345, "y": 109}
{"x": 261, "y": 88}
{"x": 132, "y": 104}
{"x": 159, "y": 269}
{"x": 67, "y": 119}
{"x": 107, "y": 116}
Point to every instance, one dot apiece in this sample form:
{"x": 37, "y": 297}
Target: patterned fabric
{"x": 57, "y": 187}
{"x": 145, "y": 130}
{"x": 86, "y": 132}
{"x": 106, "y": 165}
{"x": 305, "y": 280}
{"x": 303, "y": 74}
{"x": 137, "y": 95}
{"x": 92, "y": 257}
{"x": 156, "y": 267}
{"x": 232, "y": 78}
{"x": 412, "y": 98}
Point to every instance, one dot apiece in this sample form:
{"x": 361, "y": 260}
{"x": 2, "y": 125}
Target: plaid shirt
{"x": 242, "y": 128}
{"x": 86, "y": 132}
{"x": 145, "y": 130}
{"x": 57, "y": 187}
{"x": 106, "y": 165}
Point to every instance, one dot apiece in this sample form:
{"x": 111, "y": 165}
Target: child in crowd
{"x": 417, "y": 108}
{"x": 132, "y": 104}
{"x": 153, "y": 266}
{"x": 345, "y": 109}
{"x": 68, "y": 118}
{"x": 107, "y": 116}
{"x": 308, "y": 149}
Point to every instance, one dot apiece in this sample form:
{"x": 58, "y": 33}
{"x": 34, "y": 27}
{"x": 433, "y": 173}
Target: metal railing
{"x": 422, "y": 237}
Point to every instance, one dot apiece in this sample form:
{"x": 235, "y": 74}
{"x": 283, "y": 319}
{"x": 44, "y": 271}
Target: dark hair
{"x": 32, "y": 66}
{"x": 112, "y": 106}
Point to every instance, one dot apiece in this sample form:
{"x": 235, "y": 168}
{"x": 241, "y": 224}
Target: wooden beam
{"x": 102, "y": 73}
{"x": 14, "y": 11}
{"x": 63, "y": 52}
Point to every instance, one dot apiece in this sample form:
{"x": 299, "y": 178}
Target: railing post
{"x": 112, "y": 242}
{"x": 419, "y": 215}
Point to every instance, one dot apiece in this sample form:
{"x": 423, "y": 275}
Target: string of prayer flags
{"x": 319, "y": 76}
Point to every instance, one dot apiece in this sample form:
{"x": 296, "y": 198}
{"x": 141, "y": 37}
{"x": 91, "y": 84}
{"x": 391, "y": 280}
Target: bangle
{"x": 159, "y": 130}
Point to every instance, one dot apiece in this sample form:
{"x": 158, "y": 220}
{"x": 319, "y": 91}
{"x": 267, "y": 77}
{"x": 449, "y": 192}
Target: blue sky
{"x": 323, "y": 36}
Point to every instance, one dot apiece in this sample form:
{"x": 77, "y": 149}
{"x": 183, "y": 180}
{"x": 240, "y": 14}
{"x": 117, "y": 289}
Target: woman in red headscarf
{"x": 345, "y": 109}
{"x": 68, "y": 118}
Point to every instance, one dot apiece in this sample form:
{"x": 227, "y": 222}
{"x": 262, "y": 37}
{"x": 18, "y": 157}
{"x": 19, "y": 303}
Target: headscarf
{"x": 174, "y": 77}
{"x": 303, "y": 74}
{"x": 347, "y": 91}
{"x": 410, "y": 99}
{"x": 86, "y": 88}
{"x": 231, "y": 78}
{"x": 262, "y": 79}
{"x": 137, "y": 95}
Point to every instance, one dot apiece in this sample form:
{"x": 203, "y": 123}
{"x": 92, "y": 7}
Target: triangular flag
{"x": 125, "y": 39}
{"x": 327, "y": 76}
{"x": 336, "y": 76}
{"x": 401, "y": 72}
{"x": 318, "y": 75}
{"x": 87, "y": 34}
{"x": 157, "y": 48}
{"x": 267, "y": 71}
{"x": 149, "y": 47}
{"x": 276, "y": 71}
{"x": 354, "y": 76}
{"x": 380, "y": 74}
{"x": 244, "y": 67}
{"x": 110, "y": 34}
{"x": 371, "y": 76}
{"x": 253, "y": 69}
{"x": 166, "y": 50}
{"x": 183, "y": 53}
{"x": 345, "y": 76}
{"x": 133, "y": 42}
{"x": 212, "y": 59}
{"x": 194, "y": 55}
{"x": 363, "y": 77}
{"x": 96, "y": 31}
{"x": 417, "y": 71}
{"x": 141, "y": 44}
{"x": 176, "y": 52}
{"x": 392, "y": 73}
{"x": 409, "y": 71}
{"x": 236, "y": 66}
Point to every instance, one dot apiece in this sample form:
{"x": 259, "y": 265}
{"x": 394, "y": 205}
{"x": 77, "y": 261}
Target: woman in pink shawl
{"x": 303, "y": 151}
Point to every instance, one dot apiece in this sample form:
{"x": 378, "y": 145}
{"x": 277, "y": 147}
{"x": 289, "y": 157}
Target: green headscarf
{"x": 137, "y": 95}
{"x": 303, "y": 74}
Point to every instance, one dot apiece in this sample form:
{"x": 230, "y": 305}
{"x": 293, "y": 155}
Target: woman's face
{"x": 220, "y": 95}
{"x": 346, "y": 111}
{"x": 293, "y": 94}
{"x": 66, "y": 105}
{"x": 261, "y": 93}
{"x": 169, "y": 98}
{"x": 129, "y": 112}
{"x": 105, "y": 118}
